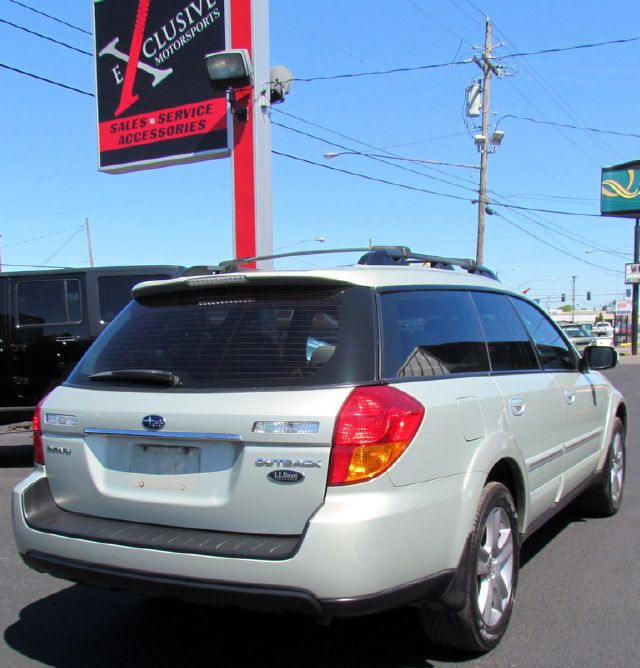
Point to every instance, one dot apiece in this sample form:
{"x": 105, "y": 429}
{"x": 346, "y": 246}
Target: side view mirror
{"x": 599, "y": 357}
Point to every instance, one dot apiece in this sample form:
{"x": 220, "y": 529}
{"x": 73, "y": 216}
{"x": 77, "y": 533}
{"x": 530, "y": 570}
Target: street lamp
{"x": 334, "y": 154}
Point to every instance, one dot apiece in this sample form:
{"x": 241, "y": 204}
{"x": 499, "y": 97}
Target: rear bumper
{"x": 42, "y": 514}
{"x": 362, "y": 551}
{"x": 260, "y": 598}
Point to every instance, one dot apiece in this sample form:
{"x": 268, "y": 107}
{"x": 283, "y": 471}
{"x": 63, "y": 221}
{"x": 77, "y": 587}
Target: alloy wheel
{"x": 495, "y": 567}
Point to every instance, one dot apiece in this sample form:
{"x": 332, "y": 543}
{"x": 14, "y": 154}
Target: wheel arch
{"x": 507, "y": 472}
{"x": 621, "y": 412}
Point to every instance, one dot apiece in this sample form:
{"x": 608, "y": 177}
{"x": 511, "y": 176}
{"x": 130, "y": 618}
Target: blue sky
{"x": 49, "y": 182}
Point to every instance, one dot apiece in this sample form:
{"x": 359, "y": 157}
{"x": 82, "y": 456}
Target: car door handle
{"x": 517, "y": 406}
{"x": 67, "y": 339}
{"x": 570, "y": 396}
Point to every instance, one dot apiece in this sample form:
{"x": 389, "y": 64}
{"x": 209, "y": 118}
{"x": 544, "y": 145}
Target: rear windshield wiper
{"x": 154, "y": 376}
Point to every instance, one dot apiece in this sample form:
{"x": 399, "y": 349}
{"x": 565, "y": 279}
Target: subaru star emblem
{"x": 153, "y": 422}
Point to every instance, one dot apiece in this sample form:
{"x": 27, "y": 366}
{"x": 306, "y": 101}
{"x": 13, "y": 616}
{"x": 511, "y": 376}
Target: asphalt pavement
{"x": 577, "y": 603}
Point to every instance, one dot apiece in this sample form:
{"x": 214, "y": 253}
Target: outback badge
{"x": 285, "y": 476}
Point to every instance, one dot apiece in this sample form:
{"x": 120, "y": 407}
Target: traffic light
{"x": 589, "y": 295}
{"x": 563, "y": 297}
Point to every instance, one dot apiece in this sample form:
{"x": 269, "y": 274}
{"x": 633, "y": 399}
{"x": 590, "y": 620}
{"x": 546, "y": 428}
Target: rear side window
{"x": 510, "y": 348}
{"x": 48, "y": 302}
{"x": 553, "y": 350}
{"x": 4, "y": 304}
{"x": 240, "y": 338}
{"x": 431, "y": 333}
{"x": 115, "y": 293}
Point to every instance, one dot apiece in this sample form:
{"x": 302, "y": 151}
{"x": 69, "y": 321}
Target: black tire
{"x": 489, "y": 579}
{"x": 604, "y": 498}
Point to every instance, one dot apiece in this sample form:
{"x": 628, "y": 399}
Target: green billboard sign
{"x": 620, "y": 190}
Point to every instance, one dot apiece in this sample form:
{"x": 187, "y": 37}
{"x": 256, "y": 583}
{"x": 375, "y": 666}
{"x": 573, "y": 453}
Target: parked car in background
{"x": 48, "y": 318}
{"x": 334, "y": 442}
{"x": 603, "y": 329}
{"x": 578, "y": 336}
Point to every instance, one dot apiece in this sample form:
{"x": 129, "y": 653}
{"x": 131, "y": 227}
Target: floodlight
{"x": 497, "y": 137}
{"x": 229, "y": 69}
{"x": 280, "y": 84}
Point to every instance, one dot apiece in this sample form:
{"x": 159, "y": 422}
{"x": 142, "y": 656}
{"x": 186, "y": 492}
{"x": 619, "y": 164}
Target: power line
{"x": 564, "y": 105}
{"x": 350, "y": 54}
{"x": 466, "y": 61}
{"x": 377, "y": 158}
{"x": 571, "y": 127}
{"x": 415, "y": 189}
{"x": 36, "y": 266}
{"x": 575, "y": 47}
{"x": 419, "y": 8}
{"x": 391, "y": 155}
{"x": 430, "y": 192}
{"x": 580, "y": 239}
{"x": 564, "y": 252}
{"x": 46, "y": 37}
{"x": 49, "y": 81}
{"x": 363, "y": 143}
{"x": 396, "y": 70}
{"x": 49, "y": 16}
{"x": 75, "y": 228}
{"x": 370, "y": 178}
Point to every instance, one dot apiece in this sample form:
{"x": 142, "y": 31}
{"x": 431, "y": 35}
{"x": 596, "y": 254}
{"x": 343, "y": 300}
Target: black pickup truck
{"x": 49, "y": 318}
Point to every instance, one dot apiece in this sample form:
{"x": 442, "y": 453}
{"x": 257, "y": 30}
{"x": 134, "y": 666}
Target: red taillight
{"x": 374, "y": 427}
{"x": 38, "y": 449}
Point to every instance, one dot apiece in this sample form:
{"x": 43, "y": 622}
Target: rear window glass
{"x": 431, "y": 333}
{"x": 239, "y": 338}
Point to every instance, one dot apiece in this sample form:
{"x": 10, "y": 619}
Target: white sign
{"x": 623, "y": 307}
{"x": 631, "y": 273}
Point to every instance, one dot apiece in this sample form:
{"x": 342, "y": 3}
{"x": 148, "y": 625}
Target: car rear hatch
{"x": 211, "y": 407}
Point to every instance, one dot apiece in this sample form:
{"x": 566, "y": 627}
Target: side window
{"x": 510, "y": 348}
{"x": 431, "y": 333}
{"x": 553, "y": 351}
{"x": 4, "y": 305}
{"x": 115, "y": 293}
{"x": 49, "y": 302}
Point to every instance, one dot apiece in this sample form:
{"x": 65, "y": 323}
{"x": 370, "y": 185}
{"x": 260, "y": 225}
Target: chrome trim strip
{"x": 577, "y": 442}
{"x": 165, "y": 435}
{"x": 546, "y": 457}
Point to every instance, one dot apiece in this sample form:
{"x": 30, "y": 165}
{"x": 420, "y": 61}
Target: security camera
{"x": 280, "y": 83}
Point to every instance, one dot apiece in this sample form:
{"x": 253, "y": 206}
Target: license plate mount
{"x": 164, "y": 459}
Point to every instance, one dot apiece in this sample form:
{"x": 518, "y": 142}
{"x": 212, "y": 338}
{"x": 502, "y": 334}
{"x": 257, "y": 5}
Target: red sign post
{"x": 156, "y": 106}
{"x": 251, "y": 155}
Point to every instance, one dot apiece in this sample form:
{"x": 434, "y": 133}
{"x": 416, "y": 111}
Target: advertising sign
{"x": 155, "y": 105}
{"x": 631, "y": 273}
{"x": 620, "y": 190}
{"x": 623, "y": 307}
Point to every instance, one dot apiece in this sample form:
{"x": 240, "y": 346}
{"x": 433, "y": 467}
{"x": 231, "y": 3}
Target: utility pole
{"x": 87, "y": 230}
{"x": 487, "y": 69}
{"x": 573, "y": 299}
{"x": 634, "y": 298}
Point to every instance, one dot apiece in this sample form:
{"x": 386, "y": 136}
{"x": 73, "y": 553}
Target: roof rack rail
{"x": 373, "y": 255}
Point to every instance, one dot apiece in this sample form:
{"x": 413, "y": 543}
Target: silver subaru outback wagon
{"x": 331, "y": 442}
